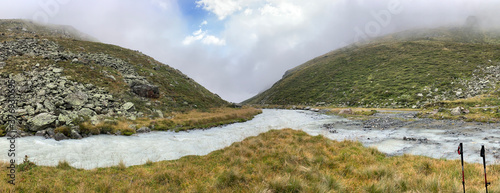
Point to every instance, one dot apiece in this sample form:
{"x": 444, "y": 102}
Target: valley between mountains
{"x": 355, "y": 116}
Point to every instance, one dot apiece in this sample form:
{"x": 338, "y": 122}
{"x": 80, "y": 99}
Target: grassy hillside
{"x": 177, "y": 91}
{"x": 407, "y": 69}
{"x": 63, "y": 78}
{"x": 276, "y": 161}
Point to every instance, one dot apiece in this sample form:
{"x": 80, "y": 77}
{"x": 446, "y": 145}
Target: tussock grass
{"x": 63, "y": 165}
{"x": 64, "y": 130}
{"x": 195, "y": 119}
{"x": 201, "y": 119}
{"x": 3, "y": 130}
{"x": 276, "y": 161}
{"x": 121, "y": 165}
{"x": 108, "y": 127}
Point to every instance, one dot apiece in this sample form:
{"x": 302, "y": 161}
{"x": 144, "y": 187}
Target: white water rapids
{"x": 108, "y": 150}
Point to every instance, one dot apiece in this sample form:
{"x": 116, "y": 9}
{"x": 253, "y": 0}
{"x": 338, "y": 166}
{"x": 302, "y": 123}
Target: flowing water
{"x": 108, "y": 150}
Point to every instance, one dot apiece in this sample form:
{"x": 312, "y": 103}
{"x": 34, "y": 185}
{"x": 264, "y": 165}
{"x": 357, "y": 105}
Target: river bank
{"x": 391, "y": 133}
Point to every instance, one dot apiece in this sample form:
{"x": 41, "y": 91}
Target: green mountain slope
{"x": 60, "y": 75}
{"x": 407, "y": 69}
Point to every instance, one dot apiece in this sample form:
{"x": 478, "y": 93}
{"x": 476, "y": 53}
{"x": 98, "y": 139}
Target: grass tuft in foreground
{"x": 276, "y": 161}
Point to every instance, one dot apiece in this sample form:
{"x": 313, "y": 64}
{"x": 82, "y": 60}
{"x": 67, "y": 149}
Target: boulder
{"x": 21, "y": 112}
{"x": 160, "y": 114}
{"x": 19, "y": 78}
{"x": 41, "y": 121}
{"x": 41, "y": 92}
{"x": 459, "y": 111}
{"x": 132, "y": 117}
{"x": 236, "y": 105}
{"x": 30, "y": 110}
{"x": 50, "y": 132}
{"x": 40, "y": 133}
{"x": 346, "y": 111}
{"x": 95, "y": 120}
{"x": 127, "y": 106}
{"x": 76, "y": 99}
{"x": 57, "y": 70}
{"x": 145, "y": 90}
{"x": 39, "y": 108}
{"x": 60, "y": 136}
{"x": 75, "y": 135}
{"x": 51, "y": 86}
{"x": 86, "y": 112}
{"x": 144, "y": 130}
{"x": 64, "y": 118}
{"x": 48, "y": 105}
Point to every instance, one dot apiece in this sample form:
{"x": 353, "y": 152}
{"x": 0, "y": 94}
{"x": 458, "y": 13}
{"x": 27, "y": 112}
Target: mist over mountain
{"x": 409, "y": 69}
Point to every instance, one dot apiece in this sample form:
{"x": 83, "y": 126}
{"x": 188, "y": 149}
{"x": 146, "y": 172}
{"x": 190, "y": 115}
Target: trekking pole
{"x": 461, "y": 153}
{"x": 486, "y": 183}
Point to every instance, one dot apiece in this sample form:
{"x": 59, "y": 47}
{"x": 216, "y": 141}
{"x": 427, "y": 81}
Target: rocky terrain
{"x": 401, "y": 132}
{"x": 50, "y": 77}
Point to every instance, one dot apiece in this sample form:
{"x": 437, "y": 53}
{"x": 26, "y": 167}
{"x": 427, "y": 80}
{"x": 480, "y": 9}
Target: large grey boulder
{"x": 64, "y": 118}
{"x": 75, "y": 135}
{"x": 41, "y": 121}
{"x": 127, "y": 106}
{"x": 40, "y": 133}
{"x": 48, "y": 105}
{"x": 85, "y": 112}
{"x": 145, "y": 90}
{"x": 60, "y": 136}
{"x": 459, "y": 111}
{"x": 144, "y": 130}
{"x": 77, "y": 99}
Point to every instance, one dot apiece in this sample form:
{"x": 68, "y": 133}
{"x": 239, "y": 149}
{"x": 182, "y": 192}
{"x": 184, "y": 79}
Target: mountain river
{"x": 393, "y": 133}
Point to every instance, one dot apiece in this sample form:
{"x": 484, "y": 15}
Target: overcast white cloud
{"x": 250, "y": 43}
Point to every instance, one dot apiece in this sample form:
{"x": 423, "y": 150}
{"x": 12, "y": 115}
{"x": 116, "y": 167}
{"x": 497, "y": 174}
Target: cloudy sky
{"x": 238, "y": 48}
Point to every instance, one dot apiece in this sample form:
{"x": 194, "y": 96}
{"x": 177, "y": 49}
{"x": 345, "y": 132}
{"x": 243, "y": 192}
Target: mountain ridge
{"x": 62, "y": 79}
{"x": 406, "y": 69}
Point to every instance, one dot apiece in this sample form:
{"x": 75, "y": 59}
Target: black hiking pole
{"x": 461, "y": 153}
{"x": 486, "y": 183}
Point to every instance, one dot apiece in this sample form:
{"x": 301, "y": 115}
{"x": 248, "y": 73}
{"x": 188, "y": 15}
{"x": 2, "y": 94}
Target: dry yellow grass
{"x": 176, "y": 121}
{"x": 198, "y": 119}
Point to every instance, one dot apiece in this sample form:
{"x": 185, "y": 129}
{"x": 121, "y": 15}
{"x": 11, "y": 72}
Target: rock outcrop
{"x": 145, "y": 90}
{"x": 45, "y": 99}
